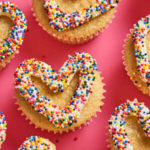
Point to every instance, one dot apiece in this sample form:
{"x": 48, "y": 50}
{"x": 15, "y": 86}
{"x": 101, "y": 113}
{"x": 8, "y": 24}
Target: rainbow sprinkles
{"x": 16, "y": 36}
{"x": 3, "y": 127}
{"x": 36, "y": 143}
{"x": 117, "y": 122}
{"x": 60, "y": 20}
{"x": 57, "y": 82}
{"x": 141, "y": 29}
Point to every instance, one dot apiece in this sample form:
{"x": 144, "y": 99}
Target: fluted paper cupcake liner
{"x": 6, "y": 61}
{"x": 67, "y": 129}
{"x": 131, "y": 68}
{"x": 73, "y": 41}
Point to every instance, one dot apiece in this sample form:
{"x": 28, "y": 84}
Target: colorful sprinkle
{"x": 75, "y": 139}
{"x": 36, "y": 143}
{"x": 60, "y": 20}
{"x": 57, "y": 82}
{"x": 117, "y": 122}
{"x": 3, "y": 127}
{"x": 16, "y": 35}
{"x": 57, "y": 141}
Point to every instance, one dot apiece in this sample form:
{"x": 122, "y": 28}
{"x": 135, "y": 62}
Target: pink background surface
{"x": 106, "y": 48}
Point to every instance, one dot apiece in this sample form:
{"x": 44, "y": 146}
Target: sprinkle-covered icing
{"x": 60, "y": 20}
{"x": 117, "y": 122}
{"x": 57, "y": 81}
{"x": 16, "y": 35}
{"x": 36, "y": 143}
{"x": 3, "y": 127}
{"x": 139, "y": 38}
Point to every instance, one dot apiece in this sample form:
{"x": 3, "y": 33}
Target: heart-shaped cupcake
{"x": 129, "y": 127}
{"x": 76, "y": 24}
{"x": 76, "y": 92}
{"x": 136, "y": 55}
{"x": 10, "y": 45}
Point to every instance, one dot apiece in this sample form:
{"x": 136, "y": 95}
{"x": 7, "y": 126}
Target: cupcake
{"x": 136, "y": 55}
{"x": 12, "y": 28}
{"x": 37, "y": 143}
{"x": 59, "y": 101}
{"x": 3, "y": 128}
{"x": 76, "y": 24}
{"x": 129, "y": 127}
